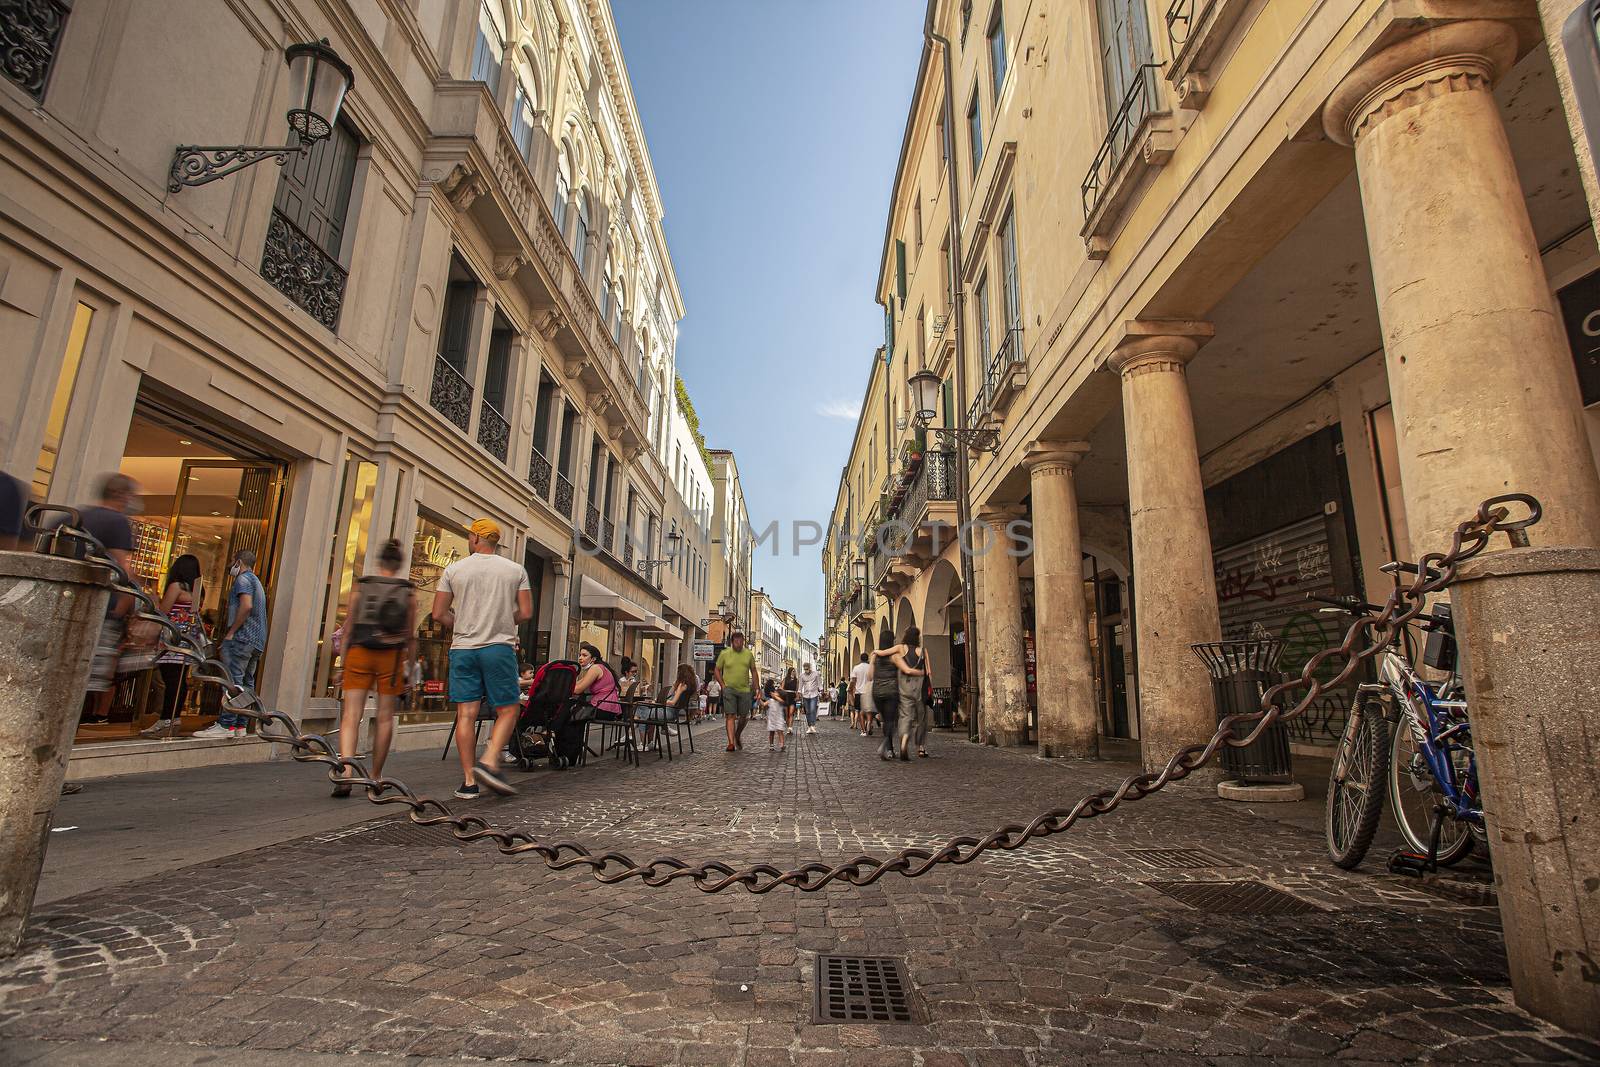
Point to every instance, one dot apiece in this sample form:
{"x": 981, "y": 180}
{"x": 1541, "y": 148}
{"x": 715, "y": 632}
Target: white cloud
{"x": 848, "y": 410}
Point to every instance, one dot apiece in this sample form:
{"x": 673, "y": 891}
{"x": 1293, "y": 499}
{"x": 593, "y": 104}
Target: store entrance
{"x": 205, "y": 496}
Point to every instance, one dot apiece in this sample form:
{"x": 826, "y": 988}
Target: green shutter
{"x": 900, "y": 268}
{"x": 949, "y": 402}
{"x": 888, "y": 332}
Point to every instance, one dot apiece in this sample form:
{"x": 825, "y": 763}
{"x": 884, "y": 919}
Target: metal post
{"x": 50, "y": 615}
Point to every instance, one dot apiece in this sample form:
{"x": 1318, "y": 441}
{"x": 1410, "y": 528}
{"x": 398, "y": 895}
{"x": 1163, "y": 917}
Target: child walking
{"x": 777, "y": 727}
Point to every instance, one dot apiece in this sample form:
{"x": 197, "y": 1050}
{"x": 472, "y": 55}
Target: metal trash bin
{"x": 1241, "y": 671}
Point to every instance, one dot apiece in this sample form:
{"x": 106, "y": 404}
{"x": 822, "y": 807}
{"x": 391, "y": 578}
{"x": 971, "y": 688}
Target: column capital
{"x": 1446, "y": 57}
{"x": 1157, "y": 344}
{"x": 997, "y": 516}
{"x": 1054, "y": 457}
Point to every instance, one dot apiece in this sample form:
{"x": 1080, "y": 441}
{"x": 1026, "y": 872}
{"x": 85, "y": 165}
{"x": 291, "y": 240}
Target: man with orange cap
{"x": 483, "y": 597}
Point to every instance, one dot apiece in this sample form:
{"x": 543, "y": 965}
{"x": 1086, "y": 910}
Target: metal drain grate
{"x": 1177, "y": 859}
{"x": 861, "y": 989}
{"x": 1235, "y": 898}
{"x": 402, "y": 833}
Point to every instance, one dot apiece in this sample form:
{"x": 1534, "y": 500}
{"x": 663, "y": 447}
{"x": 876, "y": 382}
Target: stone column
{"x": 1068, "y": 717}
{"x": 1005, "y": 683}
{"x": 1485, "y": 397}
{"x": 1175, "y": 594}
{"x": 1530, "y": 641}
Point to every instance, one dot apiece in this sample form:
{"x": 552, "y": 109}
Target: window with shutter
{"x": 900, "y": 268}
{"x": 307, "y": 229}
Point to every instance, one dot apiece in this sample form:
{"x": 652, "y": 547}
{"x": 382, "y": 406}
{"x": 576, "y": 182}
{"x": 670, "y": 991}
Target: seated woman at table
{"x": 596, "y": 682}
{"x": 675, "y": 706}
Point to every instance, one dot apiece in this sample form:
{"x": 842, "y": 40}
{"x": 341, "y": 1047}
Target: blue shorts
{"x": 487, "y": 673}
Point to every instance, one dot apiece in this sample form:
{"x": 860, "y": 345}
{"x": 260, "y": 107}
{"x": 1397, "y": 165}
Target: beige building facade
{"x": 460, "y": 304}
{"x": 1192, "y": 297}
{"x": 1248, "y": 298}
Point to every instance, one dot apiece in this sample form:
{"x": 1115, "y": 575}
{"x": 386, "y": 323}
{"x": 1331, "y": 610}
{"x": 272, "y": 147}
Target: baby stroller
{"x": 535, "y": 736}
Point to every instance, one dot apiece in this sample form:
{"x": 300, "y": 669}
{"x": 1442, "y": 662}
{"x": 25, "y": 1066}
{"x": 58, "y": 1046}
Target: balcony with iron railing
{"x": 494, "y": 431}
{"x": 564, "y": 496}
{"x": 608, "y": 535}
{"x": 487, "y": 176}
{"x": 539, "y": 472}
{"x": 298, "y": 268}
{"x": 1141, "y": 136}
{"x": 591, "y": 523}
{"x": 451, "y": 393}
{"x": 1007, "y": 372}
{"x": 1198, "y": 32}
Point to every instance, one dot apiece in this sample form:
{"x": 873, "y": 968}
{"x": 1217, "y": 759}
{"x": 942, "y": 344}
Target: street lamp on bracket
{"x": 925, "y": 386}
{"x": 647, "y": 567}
{"x": 318, "y": 82}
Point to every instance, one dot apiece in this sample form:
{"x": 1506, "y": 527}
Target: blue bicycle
{"x": 1411, "y": 738}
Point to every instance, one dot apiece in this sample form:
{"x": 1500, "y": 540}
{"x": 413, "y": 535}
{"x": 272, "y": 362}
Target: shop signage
{"x": 1580, "y": 310}
{"x": 704, "y": 650}
{"x": 433, "y": 688}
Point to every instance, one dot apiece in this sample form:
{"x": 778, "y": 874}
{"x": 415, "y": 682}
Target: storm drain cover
{"x": 1235, "y": 898}
{"x": 1179, "y": 859}
{"x": 402, "y": 833}
{"x": 861, "y": 989}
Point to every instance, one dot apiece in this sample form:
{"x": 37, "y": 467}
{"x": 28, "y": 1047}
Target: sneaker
{"x": 240, "y": 732}
{"x": 159, "y": 728}
{"x": 467, "y": 792}
{"x": 490, "y": 777}
{"x": 214, "y": 732}
{"x": 811, "y": 729}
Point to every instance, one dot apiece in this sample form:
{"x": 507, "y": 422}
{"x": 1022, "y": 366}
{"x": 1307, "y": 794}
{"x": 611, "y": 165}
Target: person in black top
{"x": 886, "y": 693}
{"x": 107, "y": 521}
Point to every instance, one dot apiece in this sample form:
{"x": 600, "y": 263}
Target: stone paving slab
{"x": 383, "y": 938}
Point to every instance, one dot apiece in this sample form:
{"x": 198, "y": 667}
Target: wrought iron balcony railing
{"x": 1182, "y": 17}
{"x": 936, "y": 480}
{"x": 591, "y": 523}
{"x": 999, "y": 381}
{"x": 29, "y": 36}
{"x": 1142, "y": 98}
{"x": 608, "y": 531}
{"x": 451, "y": 393}
{"x": 299, "y": 269}
{"x": 564, "y": 496}
{"x": 494, "y": 432}
{"x": 978, "y": 411}
{"x": 539, "y": 474}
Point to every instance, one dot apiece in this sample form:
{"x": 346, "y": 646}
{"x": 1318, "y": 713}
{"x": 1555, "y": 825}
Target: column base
{"x": 1262, "y": 792}
{"x": 1006, "y": 738}
{"x": 1049, "y": 750}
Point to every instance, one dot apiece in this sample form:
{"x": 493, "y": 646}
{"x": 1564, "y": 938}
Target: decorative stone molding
{"x": 506, "y": 267}
{"x": 1054, "y": 458}
{"x": 549, "y": 322}
{"x": 1199, "y": 31}
{"x": 1445, "y": 58}
{"x": 462, "y": 186}
{"x": 1149, "y": 345}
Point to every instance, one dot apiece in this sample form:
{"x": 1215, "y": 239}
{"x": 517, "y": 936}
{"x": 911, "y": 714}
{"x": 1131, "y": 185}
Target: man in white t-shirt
{"x": 482, "y": 598}
{"x": 860, "y": 682}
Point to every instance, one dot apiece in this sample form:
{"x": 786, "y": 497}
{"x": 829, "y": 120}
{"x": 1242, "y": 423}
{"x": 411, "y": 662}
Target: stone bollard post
{"x": 1528, "y": 622}
{"x": 50, "y": 613}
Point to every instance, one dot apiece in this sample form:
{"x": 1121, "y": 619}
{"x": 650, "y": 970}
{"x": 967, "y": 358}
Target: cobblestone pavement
{"x": 388, "y": 938}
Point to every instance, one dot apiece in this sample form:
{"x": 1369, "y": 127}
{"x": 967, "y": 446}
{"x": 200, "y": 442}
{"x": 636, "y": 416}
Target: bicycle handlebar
{"x": 1357, "y": 606}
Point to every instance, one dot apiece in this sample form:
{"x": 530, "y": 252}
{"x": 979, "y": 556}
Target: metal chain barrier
{"x": 1364, "y": 639}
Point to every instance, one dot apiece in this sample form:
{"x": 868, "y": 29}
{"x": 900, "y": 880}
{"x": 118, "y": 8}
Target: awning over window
{"x": 655, "y": 624}
{"x": 596, "y": 597}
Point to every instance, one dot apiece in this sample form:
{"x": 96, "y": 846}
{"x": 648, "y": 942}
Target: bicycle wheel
{"x": 1413, "y": 795}
{"x": 1355, "y": 788}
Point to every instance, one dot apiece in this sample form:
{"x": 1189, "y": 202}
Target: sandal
{"x": 922, "y": 752}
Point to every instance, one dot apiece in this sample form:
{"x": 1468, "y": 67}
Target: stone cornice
{"x": 622, "y": 95}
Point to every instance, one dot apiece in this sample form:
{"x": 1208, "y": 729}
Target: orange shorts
{"x": 366, "y": 669}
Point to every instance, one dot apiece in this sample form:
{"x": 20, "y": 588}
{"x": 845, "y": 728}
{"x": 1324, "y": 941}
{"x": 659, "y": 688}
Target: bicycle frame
{"x": 1437, "y": 719}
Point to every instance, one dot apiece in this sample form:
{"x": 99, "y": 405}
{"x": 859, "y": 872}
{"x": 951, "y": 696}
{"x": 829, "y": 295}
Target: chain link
{"x": 1364, "y": 639}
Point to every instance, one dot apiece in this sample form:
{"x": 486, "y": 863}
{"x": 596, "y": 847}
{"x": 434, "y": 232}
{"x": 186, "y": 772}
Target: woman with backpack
{"x": 379, "y": 645}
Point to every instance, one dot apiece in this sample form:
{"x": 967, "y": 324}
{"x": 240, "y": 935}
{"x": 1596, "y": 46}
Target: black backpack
{"x": 382, "y": 616}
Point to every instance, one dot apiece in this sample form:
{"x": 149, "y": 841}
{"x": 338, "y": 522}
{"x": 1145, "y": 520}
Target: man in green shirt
{"x": 737, "y": 674}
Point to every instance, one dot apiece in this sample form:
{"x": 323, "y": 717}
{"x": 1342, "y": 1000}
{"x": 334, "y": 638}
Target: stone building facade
{"x": 1254, "y": 297}
{"x": 460, "y": 304}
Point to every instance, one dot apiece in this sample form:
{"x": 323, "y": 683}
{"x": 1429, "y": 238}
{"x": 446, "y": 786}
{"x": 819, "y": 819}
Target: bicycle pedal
{"x": 1410, "y": 864}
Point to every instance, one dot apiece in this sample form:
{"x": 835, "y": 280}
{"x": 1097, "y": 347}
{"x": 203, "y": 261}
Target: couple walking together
{"x": 891, "y": 682}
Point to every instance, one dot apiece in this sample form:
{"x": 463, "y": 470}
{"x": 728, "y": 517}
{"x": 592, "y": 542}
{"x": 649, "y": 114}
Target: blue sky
{"x": 774, "y": 127}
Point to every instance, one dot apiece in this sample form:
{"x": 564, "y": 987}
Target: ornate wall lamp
{"x": 647, "y": 567}
{"x": 925, "y": 386}
{"x": 318, "y": 82}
